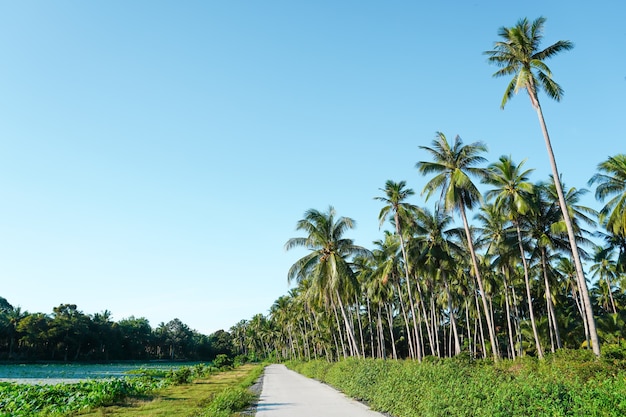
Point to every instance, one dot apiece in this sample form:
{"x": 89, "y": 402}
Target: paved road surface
{"x": 289, "y": 394}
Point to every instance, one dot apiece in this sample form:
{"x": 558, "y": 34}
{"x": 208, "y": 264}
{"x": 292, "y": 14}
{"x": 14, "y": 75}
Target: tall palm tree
{"x": 328, "y": 263}
{"x": 512, "y": 195}
{"x": 518, "y": 54}
{"x": 402, "y": 213}
{"x": 452, "y": 166}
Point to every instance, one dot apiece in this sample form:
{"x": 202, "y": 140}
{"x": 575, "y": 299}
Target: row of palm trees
{"x": 510, "y": 285}
{"x": 417, "y": 291}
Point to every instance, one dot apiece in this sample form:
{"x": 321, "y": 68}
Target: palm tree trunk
{"x": 457, "y": 344}
{"x": 408, "y": 282}
{"x": 435, "y": 327}
{"x": 343, "y": 346}
{"x": 582, "y": 282}
{"x": 518, "y": 330}
{"x": 349, "y": 330}
{"x": 406, "y": 322}
{"x": 381, "y": 334}
{"x": 480, "y": 326}
{"x": 608, "y": 285}
{"x": 493, "y": 320}
{"x": 393, "y": 339}
{"x": 528, "y": 294}
{"x": 508, "y": 313}
{"x": 426, "y": 321}
{"x": 479, "y": 279}
{"x": 469, "y": 329}
{"x": 579, "y": 301}
{"x": 358, "y": 316}
{"x": 550, "y": 304}
{"x": 369, "y": 317}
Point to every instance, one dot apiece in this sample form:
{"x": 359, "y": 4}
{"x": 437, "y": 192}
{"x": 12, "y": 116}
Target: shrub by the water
{"x": 18, "y": 400}
{"x": 21, "y": 400}
{"x": 222, "y": 361}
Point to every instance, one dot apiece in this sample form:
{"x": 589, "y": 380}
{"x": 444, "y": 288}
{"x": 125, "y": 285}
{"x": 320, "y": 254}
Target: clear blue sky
{"x": 155, "y": 156}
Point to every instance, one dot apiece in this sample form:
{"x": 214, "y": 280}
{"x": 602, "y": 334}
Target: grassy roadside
{"x": 193, "y": 399}
{"x": 570, "y": 383}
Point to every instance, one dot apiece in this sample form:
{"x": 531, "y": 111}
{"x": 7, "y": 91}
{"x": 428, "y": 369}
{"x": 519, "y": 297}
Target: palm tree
{"x": 402, "y": 213}
{"x": 389, "y": 269}
{"x": 436, "y": 257}
{"x": 385, "y": 273}
{"x": 604, "y": 267}
{"x": 328, "y": 263}
{"x": 611, "y": 182}
{"x": 512, "y": 195}
{"x": 453, "y": 167}
{"x": 518, "y": 54}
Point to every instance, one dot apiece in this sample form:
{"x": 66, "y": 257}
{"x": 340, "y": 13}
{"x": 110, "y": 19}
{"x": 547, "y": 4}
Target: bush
{"x": 240, "y": 360}
{"x": 180, "y": 376}
{"x": 228, "y": 402}
{"x": 62, "y": 399}
{"x": 222, "y": 361}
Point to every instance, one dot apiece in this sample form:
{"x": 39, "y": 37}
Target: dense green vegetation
{"x": 60, "y": 399}
{"x": 70, "y": 335}
{"x": 526, "y": 270}
{"x": 568, "y": 383}
{"x": 64, "y": 399}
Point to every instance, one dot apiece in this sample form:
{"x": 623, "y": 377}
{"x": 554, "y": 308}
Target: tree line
{"x": 67, "y": 334}
{"x": 509, "y": 282}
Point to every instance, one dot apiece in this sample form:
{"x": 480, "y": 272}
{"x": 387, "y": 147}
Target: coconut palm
{"x": 611, "y": 183}
{"x": 604, "y": 268}
{"x": 453, "y": 166}
{"x": 402, "y": 213}
{"x": 512, "y": 195}
{"x": 503, "y": 252}
{"x": 384, "y": 275}
{"x": 435, "y": 255}
{"x": 328, "y": 263}
{"x": 518, "y": 55}
{"x": 580, "y": 215}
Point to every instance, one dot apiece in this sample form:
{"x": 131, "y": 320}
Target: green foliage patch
{"x": 27, "y": 400}
{"x": 570, "y": 383}
{"x": 235, "y": 398}
{"x": 229, "y": 401}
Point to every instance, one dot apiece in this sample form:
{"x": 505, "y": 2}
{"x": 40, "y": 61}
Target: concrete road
{"x": 288, "y": 394}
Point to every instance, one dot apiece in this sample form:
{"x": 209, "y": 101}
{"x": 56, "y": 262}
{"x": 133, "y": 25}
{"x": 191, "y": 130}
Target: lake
{"x": 54, "y": 373}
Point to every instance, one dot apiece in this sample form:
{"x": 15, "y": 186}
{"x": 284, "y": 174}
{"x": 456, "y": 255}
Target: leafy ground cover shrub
{"x": 570, "y": 383}
{"x": 223, "y": 361}
{"x": 229, "y": 401}
{"x": 27, "y": 400}
{"x": 180, "y": 376}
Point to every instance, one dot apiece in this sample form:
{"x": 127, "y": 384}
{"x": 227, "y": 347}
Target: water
{"x": 75, "y": 372}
